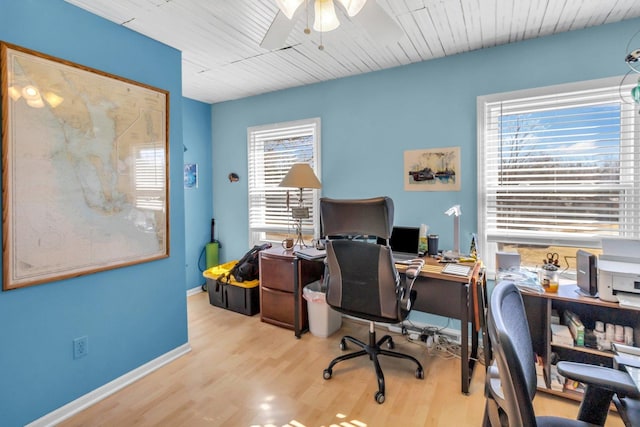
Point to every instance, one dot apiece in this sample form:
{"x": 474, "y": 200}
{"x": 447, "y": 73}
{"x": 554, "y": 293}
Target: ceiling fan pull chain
{"x": 307, "y": 30}
{"x": 320, "y": 46}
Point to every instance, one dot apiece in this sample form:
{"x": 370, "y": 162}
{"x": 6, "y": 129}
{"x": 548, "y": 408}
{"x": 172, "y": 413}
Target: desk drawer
{"x": 276, "y": 273}
{"x": 277, "y": 307}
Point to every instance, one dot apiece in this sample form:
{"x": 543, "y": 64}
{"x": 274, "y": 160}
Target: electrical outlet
{"x": 80, "y": 347}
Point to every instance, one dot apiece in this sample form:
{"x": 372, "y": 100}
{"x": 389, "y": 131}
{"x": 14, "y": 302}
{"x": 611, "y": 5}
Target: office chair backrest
{"x": 357, "y": 217}
{"x": 513, "y": 352}
{"x": 361, "y": 276}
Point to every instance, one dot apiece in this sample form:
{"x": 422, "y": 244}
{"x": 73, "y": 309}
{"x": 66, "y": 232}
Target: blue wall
{"x": 198, "y": 206}
{"x": 368, "y": 121}
{"x": 131, "y": 315}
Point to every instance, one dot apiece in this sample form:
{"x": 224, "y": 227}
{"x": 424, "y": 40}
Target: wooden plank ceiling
{"x": 222, "y": 58}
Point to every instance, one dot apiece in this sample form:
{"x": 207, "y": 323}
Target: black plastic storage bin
{"x": 241, "y": 297}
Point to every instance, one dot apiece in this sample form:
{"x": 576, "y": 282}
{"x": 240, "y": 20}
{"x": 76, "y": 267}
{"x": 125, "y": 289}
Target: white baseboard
{"x": 193, "y": 291}
{"x": 72, "y": 408}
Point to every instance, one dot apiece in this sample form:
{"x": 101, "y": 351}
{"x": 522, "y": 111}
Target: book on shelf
{"x": 557, "y": 380}
{"x": 575, "y": 326}
{"x": 575, "y": 386}
{"x": 561, "y": 335}
{"x": 540, "y": 372}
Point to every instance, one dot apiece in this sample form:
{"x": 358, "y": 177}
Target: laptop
{"x": 404, "y": 243}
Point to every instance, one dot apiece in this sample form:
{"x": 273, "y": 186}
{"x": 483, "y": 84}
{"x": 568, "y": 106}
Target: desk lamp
{"x": 300, "y": 176}
{"x": 456, "y": 212}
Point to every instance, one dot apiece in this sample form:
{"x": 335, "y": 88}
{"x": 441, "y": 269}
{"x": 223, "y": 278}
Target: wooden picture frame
{"x": 84, "y": 169}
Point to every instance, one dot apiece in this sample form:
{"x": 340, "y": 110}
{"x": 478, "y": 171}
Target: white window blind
{"x": 559, "y": 166}
{"x": 272, "y": 150}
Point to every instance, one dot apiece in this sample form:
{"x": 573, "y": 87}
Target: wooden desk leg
{"x": 474, "y": 346}
{"x": 464, "y": 337}
{"x": 474, "y": 341}
{"x": 296, "y": 296}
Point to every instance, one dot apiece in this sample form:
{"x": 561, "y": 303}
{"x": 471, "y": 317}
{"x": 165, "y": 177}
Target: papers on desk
{"x": 311, "y": 254}
{"x": 456, "y": 269}
{"x": 526, "y": 281}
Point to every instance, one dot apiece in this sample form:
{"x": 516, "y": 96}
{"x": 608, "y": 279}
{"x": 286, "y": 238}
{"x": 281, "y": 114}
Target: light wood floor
{"x": 243, "y": 372}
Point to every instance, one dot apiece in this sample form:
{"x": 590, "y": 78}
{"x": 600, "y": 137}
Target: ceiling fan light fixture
{"x": 289, "y": 7}
{"x": 635, "y": 93}
{"x": 326, "y": 18}
{"x": 353, "y": 6}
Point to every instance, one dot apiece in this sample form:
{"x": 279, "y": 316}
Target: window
{"x": 150, "y": 177}
{"x": 557, "y": 169}
{"x": 272, "y": 150}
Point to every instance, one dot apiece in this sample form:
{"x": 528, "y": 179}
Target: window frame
{"x": 310, "y": 227}
{"x": 488, "y": 244}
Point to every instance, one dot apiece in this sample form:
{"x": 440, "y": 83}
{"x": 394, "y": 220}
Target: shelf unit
{"x": 539, "y": 308}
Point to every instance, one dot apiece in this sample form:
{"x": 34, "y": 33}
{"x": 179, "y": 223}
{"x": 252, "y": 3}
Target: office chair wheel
{"x": 379, "y": 397}
{"x": 390, "y": 345}
{"x": 419, "y": 373}
{"x": 326, "y": 374}
{"x": 343, "y": 345}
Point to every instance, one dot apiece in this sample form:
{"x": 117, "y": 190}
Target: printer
{"x": 619, "y": 272}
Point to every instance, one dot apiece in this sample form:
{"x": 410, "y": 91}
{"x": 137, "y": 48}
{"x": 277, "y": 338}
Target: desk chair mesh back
{"x": 511, "y": 381}
{"x": 361, "y": 277}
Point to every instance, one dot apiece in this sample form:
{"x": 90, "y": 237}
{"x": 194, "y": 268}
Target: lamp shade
{"x": 300, "y": 176}
{"x": 353, "y": 6}
{"x": 326, "y": 18}
{"x": 289, "y": 7}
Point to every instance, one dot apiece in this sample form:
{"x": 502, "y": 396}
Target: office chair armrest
{"x": 614, "y": 380}
{"x": 622, "y": 360}
{"x": 406, "y": 294}
{"x": 413, "y": 270}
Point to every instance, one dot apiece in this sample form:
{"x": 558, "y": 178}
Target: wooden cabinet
{"x": 539, "y": 309}
{"x": 279, "y": 297}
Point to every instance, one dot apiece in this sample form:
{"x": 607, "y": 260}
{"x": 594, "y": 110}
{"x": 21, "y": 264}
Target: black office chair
{"x": 511, "y": 381}
{"x": 361, "y": 276}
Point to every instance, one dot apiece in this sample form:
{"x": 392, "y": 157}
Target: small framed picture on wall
{"x": 190, "y": 175}
{"x": 436, "y": 169}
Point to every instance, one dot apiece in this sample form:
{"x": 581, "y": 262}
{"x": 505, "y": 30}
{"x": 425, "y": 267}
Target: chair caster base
{"x": 326, "y": 374}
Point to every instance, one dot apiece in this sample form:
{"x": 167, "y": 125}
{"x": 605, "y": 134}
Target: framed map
{"x": 85, "y": 169}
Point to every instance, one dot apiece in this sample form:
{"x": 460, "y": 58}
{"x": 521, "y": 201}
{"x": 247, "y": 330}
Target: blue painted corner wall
{"x": 130, "y": 315}
{"x": 197, "y": 201}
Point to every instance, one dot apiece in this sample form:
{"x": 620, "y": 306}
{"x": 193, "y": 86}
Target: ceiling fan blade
{"x": 278, "y": 32}
{"x": 378, "y": 24}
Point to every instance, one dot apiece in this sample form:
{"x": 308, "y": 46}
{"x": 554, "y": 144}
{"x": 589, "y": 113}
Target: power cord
{"x": 437, "y": 344}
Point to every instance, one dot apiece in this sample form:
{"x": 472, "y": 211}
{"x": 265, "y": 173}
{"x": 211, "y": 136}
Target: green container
{"x": 211, "y": 253}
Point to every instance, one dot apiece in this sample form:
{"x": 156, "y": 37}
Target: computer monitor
{"x": 405, "y": 242}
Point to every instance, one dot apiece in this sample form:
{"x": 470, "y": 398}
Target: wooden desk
{"x": 283, "y": 275}
{"x": 462, "y": 298}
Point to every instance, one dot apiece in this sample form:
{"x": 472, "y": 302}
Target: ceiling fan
{"x": 382, "y": 28}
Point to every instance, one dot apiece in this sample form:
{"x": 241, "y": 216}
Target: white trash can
{"x": 323, "y": 320}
